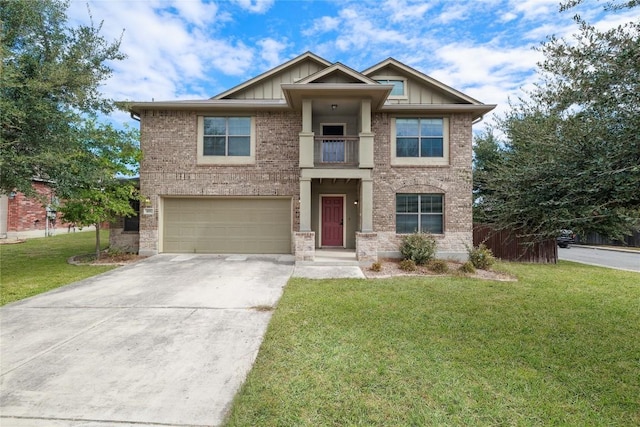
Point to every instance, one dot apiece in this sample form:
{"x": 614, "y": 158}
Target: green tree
{"x": 50, "y": 80}
{"x": 95, "y": 189}
{"x": 572, "y": 149}
{"x": 487, "y": 155}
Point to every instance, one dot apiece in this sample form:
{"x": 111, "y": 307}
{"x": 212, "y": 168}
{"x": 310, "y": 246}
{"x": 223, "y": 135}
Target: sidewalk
{"x": 609, "y": 248}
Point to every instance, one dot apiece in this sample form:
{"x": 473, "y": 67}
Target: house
{"x": 22, "y": 216}
{"x": 310, "y": 155}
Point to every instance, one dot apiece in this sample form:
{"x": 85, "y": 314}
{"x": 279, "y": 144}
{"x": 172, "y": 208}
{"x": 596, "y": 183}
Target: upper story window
{"x": 399, "y": 86}
{"x": 420, "y": 141}
{"x": 419, "y": 137}
{"x": 226, "y": 140}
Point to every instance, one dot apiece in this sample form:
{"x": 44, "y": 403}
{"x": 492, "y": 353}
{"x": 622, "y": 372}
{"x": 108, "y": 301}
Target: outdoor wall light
{"x": 147, "y": 202}
{"x": 12, "y": 195}
{"x": 355, "y": 202}
{"x": 334, "y": 107}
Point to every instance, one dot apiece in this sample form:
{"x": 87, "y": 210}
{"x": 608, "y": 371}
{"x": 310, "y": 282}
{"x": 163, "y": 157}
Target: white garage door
{"x": 242, "y": 225}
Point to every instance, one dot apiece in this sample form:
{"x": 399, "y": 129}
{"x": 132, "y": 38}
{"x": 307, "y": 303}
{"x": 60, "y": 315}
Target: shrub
{"x": 408, "y": 265}
{"x": 481, "y": 257}
{"x": 418, "y": 247}
{"x": 439, "y": 266}
{"x": 467, "y": 268}
{"x": 376, "y": 266}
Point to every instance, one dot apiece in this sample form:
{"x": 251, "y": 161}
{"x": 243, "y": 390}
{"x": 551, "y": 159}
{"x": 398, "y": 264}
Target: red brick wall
{"x": 29, "y": 213}
{"x": 26, "y": 213}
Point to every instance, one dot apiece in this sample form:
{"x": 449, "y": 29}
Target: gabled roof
{"x": 304, "y": 57}
{"x": 429, "y": 81}
{"x": 339, "y": 69}
{"x": 309, "y": 76}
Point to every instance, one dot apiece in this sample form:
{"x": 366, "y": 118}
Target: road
{"x": 601, "y": 257}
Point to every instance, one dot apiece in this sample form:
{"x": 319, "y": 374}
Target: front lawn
{"x": 38, "y": 265}
{"x": 559, "y": 347}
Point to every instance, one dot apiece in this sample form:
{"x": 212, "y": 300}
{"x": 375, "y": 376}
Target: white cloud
{"x": 358, "y": 31}
{"x": 453, "y": 13}
{"x": 271, "y": 51}
{"x": 532, "y": 9}
{"x": 195, "y": 12}
{"x": 322, "y": 25}
{"x": 401, "y": 10}
{"x": 255, "y": 6}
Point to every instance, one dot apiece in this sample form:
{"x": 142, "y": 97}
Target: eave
{"x": 478, "y": 110}
{"x": 295, "y": 93}
{"x": 209, "y": 105}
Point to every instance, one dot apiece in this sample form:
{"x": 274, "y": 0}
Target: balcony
{"x": 335, "y": 151}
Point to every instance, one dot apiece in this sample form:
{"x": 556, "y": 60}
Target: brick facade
{"x": 454, "y": 181}
{"x": 28, "y": 214}
{"x": 169, "y": 167}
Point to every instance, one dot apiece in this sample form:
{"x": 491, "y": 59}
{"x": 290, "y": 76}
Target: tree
{"x": 94, "y": 187}
{"x": 49, "y": 81}
{"x": 571, "y": 155}
{"x": 487, "y": 155}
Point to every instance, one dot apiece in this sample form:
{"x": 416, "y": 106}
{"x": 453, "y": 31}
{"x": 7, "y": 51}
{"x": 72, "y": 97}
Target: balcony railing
{"x": 334, "y": 151}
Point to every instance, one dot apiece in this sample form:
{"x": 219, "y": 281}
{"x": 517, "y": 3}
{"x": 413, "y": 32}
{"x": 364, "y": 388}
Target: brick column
{"x": 367, "y": 247}
{"x": 304, "y": 245}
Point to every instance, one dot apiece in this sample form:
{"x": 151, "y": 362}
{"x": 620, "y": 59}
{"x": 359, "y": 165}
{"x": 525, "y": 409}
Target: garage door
{"x": 242, "y": 225}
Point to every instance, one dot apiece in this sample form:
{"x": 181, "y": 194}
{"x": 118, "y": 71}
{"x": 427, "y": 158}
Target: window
{"x": 226, "y": 140}
{"x": 419, "y": 137}
{"x": 419, "y": 213}
{"x": 132, "y": 223}
{"x": 227, "y": 136}
{"x": 398, "y": 87}
{"x": 420, "y": 141}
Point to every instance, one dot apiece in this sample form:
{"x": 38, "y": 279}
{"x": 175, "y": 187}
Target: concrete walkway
{"x": 330, "y": 264}
{"x": 166, "y": 341}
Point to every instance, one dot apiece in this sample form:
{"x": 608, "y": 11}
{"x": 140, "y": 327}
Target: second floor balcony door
{"x": 333, "y": 149}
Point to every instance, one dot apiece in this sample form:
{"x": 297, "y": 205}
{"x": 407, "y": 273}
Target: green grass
{"x": 559, "y": 347}
{"x": 38, "y": 265}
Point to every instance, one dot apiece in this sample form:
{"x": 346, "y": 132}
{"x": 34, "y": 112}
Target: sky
{"x": 193, "y": 49}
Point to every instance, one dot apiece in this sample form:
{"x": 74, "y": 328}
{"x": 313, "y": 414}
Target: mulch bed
{"x": 391, "y": 268}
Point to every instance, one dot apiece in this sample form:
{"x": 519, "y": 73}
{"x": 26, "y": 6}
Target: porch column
{"x": 366, "y": 201}
{"x": 306, "y": 135}
{"x": 366, "y": 136}
{"x": 305, "y": 204}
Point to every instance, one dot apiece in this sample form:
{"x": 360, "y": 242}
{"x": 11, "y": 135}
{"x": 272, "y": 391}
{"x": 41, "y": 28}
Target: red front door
{"x": 332, "y": 221}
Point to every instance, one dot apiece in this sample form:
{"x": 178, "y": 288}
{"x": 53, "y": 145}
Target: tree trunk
{"x": 98, "y": 240}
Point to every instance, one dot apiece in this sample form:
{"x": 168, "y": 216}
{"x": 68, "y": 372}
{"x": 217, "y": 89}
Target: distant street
{"x": 601, "y": 257}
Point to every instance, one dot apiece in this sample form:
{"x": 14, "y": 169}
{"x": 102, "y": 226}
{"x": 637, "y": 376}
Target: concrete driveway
{"x": 166, "y": 341}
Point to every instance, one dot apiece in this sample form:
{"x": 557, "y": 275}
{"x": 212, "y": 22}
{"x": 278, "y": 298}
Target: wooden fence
{"x": 507, "y": 246}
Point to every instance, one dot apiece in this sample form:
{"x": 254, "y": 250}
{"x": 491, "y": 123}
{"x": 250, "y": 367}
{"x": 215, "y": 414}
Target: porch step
{"x": 332, "y": 257}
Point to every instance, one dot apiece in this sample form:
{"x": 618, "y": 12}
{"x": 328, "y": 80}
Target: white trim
{"x": 225, "y": 160}
{"x": 421, "y": 161}
{"x": 344, "y": 214}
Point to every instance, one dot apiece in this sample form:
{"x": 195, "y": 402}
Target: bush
{"x": 439, "y": 266}
{"x": 376, "y": 266}
{"x": 408, "y": 265}
{"x": 481, "y": 257}
{"x": 467, "y": 268}
{"x": 418, "y": 247}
